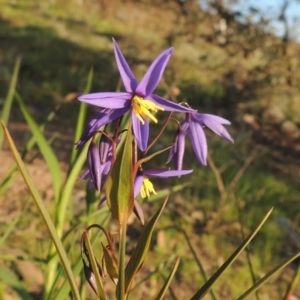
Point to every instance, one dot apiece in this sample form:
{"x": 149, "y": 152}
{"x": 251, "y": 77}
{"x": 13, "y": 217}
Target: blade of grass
{"x": 11, "y": 280}
{"x": 213, "y": 296}
{"x": 61, "y": 212}
{"x": 81, "y": 119}
{"x": 29, "y": 145}
{"x": 166, "y": 285}
{"x": 263, "y": 280}
{"x": 10, "y": 96}
{"x": 138, "y": 256}
{"x": 207, "y": 286}
{"x": 9, "y": 229}
{"x": 65, "y": 288}
{"x": 292, "y": 285}
{"x": 44, "y": 147}
{"x": 44, "y": 214}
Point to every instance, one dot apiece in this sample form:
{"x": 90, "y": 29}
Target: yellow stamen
{"x": 147, "y": 188}
{"x": 141, "y": 108}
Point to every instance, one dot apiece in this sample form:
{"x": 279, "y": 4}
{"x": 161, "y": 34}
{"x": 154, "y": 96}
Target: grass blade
{"x": 138, "y": 256}
{"x": 11, "y": 225}
{"x": 165, "y": 287}
{"x": 207, "y": 286}
{"x": 10, "y": 96}
{"x": 29, "y": 145}
{"x": 12, "y": 281}
{"x": 44, "y": 213}
{"x": 262, "y": 281}
{"x": 81, "y": 119}
{"x": 213, "y": 296}
{"x": 44, "y": 147}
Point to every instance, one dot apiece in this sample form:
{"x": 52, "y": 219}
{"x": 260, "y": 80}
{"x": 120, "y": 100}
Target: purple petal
{"x": 154, "y": 73}
{"x": 169, "y": 105}
{"x": 198, "y": 141}
{"x": 138, "y": 184}
{"x": 128, "y": 78}
{"x": 100, "y": 119}
{"x": 164, "y": 173}
{"x": 85, "y": 175}
{"x": 215, "y": 124}
{"x": 177, "y": 151}
{"x": 140, "y": 131}
{"x": 104, "y": 147}
{"x": 94, "y": 165}
{"x": 107, "y": 100}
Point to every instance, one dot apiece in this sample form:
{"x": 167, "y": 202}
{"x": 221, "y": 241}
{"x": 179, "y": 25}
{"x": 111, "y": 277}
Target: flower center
{"x": 147, "y": 188}
{"x": 142, "y": 107}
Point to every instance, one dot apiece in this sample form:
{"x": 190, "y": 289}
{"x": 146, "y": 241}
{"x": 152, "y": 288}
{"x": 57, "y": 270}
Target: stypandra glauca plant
{"x": 119, "y": 150}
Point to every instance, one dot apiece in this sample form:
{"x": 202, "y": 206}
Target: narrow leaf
{"x": 119, "y": 184}
{"x": 263, "y": 280}
{"x": 44, "y": 147}
{"x": 139, "y": 254}
{"x": 207, "y": 286}
{"x": 44, "y": 214}
{"x": 10, "y": 96}
{"x": 81, "y": 118}
{"x": 11, "y": 280}
{"x": 165, "y": 287}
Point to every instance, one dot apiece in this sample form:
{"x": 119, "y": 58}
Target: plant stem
{"x": 121, "y": 281}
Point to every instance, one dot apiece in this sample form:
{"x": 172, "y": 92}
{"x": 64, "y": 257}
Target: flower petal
{"x": 128, "y": 78}
{"x": 177, "y": 151}
{"x": 164, "y": 173}
{"x": 100, "y": 119}
{"x": 94, "y": 165}
{"x": 154, "y": 73}
{"x": 215, "y": 124}
{"x": 107, "y": 100}
{"x": 140, "y": 131}
{"x": 138, "y": 184}
{"x": 198, "y": 140}
{"x": 169, "y": 105}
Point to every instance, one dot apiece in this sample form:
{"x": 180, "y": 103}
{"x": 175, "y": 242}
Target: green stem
{"x": 121, "y": 281}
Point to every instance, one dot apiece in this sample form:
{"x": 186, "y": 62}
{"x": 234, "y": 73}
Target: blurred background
{"x": 238, "y": 59}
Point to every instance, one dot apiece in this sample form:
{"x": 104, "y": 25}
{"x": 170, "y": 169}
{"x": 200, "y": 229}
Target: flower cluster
{"x": 141, "y": 104}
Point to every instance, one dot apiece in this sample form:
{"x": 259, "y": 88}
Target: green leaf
{"x": 165, "y": 287}
{"x": 44, "y": 214}
{"x": 201, "y": 269}
{"x": 10, "y": 96}
{"x": 11, "y": 225}
{"x": 111, "y": 263}
{"x": 29, "y": 145}
{"x": 263, "y": 280}
{"x": 207, "y": 286}
{"x": 44, "y": 147}
{"x": 11, "y": 280}
{"x": 81, "y": 119}
{"x": 119, "y": 184}
{"x": 139, "y": 254}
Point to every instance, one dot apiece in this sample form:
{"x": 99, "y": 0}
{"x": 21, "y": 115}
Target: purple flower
{"x": 193, "y": 126}
{"x": 138, "y": 99}
{"x": 99, "y": 162}
{"x": 143, "y": 186}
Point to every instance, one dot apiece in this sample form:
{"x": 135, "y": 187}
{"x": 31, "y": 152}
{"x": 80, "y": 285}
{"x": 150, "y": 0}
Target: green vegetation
{"x": 250, "y": 80}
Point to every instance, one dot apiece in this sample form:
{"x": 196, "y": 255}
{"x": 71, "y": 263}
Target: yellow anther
{"x": 142, "y": 107}
{"x": 147, "y": 188}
